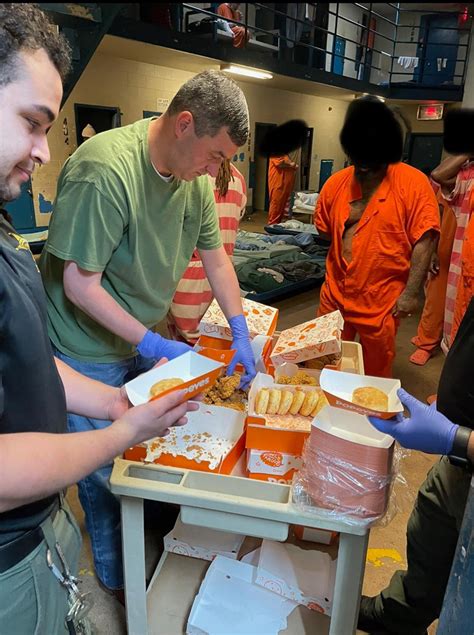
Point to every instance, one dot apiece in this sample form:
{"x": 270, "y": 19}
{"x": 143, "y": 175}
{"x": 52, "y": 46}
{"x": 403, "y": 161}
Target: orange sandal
{"x": 420, "y": 357}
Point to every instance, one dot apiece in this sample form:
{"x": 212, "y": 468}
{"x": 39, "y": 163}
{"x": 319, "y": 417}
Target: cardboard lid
{"x": 352, "y": 427}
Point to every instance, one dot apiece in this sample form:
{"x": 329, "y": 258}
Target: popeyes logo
{"x": 198, "y": 384}
{"x": 273, "y": 459}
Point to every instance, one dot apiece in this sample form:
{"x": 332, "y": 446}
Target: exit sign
{"x": 430, "y": 112}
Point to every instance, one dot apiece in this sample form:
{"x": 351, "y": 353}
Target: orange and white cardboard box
{"x": 339, "y": 386}
{"x": 318, "y": 337}
{"x": 213, "y": 440}
{"x": 312, "y": 534}
{"x": 275, "y": 467}
{"x": 261, "y": 346}
{"x": 303, "y": 576}
{"x": 261, "y": 320}
{"x": 201, "y": 542}
{"x": 261, "y": 435}
{"x": 197, "y": 370}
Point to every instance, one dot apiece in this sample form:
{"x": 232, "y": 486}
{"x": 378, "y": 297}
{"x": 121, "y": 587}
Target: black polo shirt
{"x": 456, "y": 385}
{"x": 32, "y": 396}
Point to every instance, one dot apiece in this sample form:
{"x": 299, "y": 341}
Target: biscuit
{"x": 274, "y": 399}
{"x": 165, "y": 384}
{"x": 261, "y": 402}
{"x": 322, "y": 402}
{"x": 285, "y": 402}
{"x": 370, "y": 397}
{"x": 298, "y": 398}
{"x": 310, "y": 402}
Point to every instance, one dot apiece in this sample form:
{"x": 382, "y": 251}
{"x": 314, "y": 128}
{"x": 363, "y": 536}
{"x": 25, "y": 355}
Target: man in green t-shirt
{"x": 132, "y": 205}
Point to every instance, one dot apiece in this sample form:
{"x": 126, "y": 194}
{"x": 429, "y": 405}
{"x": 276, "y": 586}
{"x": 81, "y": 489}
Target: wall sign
{"x": 430, "y": 112}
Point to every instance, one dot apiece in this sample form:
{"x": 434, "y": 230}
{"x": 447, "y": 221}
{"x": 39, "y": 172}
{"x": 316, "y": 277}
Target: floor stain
{"x": 377, "y": 556}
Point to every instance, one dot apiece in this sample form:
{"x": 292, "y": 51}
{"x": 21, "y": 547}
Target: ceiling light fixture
{"x": 246, "y": 71}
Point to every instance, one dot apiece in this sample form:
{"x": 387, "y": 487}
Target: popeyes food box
{"x": 313, "y": 534}
{"x": 365, "y": 395}
{"x": 310, "y": 340}
{"x": 192, "y": 372}
{"x": 275, "y": 467}
{"x": 213, "y": 440}
{"x": 261, "y": 320}
{"x": 261, "y": 346}
{"x": 279, "y": 416}
{"x": 302, "y": 575}
{"x": 201, "y": 542}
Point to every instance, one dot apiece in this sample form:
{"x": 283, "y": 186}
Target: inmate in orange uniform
{"x": 280, "y": 185}
{"x": 227, "y": 10}
{"x": 430, "y": 327}
{"x": 366, "y": 289}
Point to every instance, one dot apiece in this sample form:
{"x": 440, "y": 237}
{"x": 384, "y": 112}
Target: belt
{"x": 13, "y": 552}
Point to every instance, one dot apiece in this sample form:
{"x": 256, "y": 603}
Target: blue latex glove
{"x": 153, "y": 345}
{"x": 425, "y": 429}
{"x": 244, "y": 353}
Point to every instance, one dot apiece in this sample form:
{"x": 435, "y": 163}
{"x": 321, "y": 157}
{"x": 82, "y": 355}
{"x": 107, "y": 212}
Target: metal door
{"x": 338, "y": 55}
{"x": 325, "y": 171}
{"x": 425, "y": 151}
{"x": 438, "y": 49}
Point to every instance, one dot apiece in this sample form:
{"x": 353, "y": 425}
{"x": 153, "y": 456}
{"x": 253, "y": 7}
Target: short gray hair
{"x": 215, "y": 102}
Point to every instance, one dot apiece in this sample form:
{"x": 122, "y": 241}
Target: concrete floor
{"x": 387, "y": 544}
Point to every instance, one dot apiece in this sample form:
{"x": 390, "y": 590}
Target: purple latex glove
{"x": 425, "y": 429}
{"x": 244, "y": 353}
{"x": 153, "y": 345}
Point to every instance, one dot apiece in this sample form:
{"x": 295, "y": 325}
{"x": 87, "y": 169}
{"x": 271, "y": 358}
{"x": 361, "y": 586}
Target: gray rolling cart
{"x": 228, "y": 503}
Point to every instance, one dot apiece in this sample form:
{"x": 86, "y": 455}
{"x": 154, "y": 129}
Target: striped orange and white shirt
{"x": 459, "y": 201}
{"x": 194, "y": 294}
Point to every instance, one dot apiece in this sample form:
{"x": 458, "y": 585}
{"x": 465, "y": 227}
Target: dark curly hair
{"x": 24, "y": 27}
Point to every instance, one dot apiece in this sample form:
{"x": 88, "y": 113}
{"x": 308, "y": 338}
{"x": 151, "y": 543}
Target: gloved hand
{"x": 244, "y": 353}
{"x": 153, "y": 345}
{"x": 425, "y": 429}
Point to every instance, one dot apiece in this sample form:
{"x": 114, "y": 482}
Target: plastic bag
{"x": 334, "y": 488}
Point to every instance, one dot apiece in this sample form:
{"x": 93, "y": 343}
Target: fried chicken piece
{"x": 303, "y": 378}
{"x": 227, "y": 385}
{"x": 226, "y": 392}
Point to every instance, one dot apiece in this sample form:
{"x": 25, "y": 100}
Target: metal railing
{"x": 383, "y": 44}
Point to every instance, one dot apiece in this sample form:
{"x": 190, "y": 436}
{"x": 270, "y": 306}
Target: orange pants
{"x": 430, "y": 327}
{"x": 377, "y": 340}
{"x": 278, "y": 199}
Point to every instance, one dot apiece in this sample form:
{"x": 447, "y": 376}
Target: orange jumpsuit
{"x": 280, "y": 185}
{"x": 239, "y": 31}
{"x": 366, "y": 289}
{"x": 430, "y": 327}
{"x": 465, "y": 290}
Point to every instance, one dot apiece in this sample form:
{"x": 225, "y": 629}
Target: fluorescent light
{"x": 378, "y": 96}
{"x": 247, "y": 72}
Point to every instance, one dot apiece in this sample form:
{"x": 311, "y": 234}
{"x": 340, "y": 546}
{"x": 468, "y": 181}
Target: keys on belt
{"x": 79, "y": 603}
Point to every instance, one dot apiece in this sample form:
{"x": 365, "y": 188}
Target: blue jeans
{"x": 101, "y": 507}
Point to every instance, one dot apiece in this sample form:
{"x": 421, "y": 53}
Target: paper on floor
{"x": 228, "y": 602}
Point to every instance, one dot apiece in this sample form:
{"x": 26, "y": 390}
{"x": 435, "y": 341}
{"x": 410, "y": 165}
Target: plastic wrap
{"x": 335, "y": 487}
